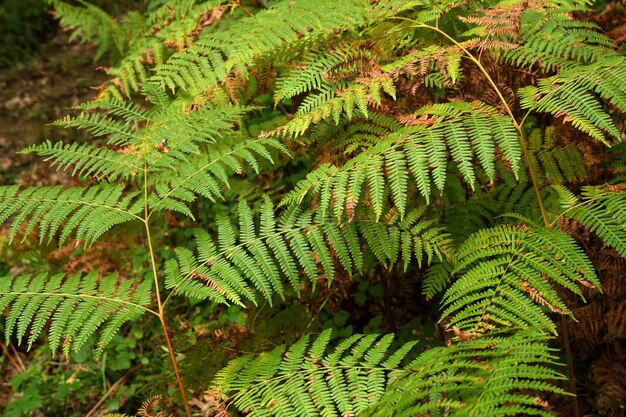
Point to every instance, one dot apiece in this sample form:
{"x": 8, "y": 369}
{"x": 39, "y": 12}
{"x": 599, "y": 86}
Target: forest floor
{"x": 32, "y": 95}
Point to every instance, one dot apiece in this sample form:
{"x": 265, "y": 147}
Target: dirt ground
{"x": 34, "y": 94}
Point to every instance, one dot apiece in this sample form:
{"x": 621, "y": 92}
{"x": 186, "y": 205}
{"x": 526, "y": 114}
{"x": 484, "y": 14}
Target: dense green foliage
{"x": 266, "y": 157}
{"x": 24, "y": 24}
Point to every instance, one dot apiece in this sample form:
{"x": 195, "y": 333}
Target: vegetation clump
{"x": 337, "y": 208}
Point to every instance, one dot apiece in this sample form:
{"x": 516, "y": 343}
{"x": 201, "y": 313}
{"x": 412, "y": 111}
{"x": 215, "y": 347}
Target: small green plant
{"x": 417, "y": 138}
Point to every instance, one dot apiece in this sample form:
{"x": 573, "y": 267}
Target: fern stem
{"x": 570, "y": 367}
{"x": 161, "y": 315}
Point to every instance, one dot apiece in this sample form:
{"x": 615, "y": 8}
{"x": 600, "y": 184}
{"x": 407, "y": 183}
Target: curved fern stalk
{"x": 85, "y": 213}
{"x": 76, "y": 307}
{"x": 506, "y": 276}
{"x": 248, "y": 261}
{"x": 602, "y": 210}
{"x": 304, "y": 380}
{"x": 494, "y": 376}
{"x": 470, "y": 131}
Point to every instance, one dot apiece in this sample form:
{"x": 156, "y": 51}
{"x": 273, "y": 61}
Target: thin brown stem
{"x": 17, "y": 356}
{"x": 6, "y": 353}
{"x": 161, "y": 311}
{"x": 242, "y": 7}
{"x": 570, "y": 366}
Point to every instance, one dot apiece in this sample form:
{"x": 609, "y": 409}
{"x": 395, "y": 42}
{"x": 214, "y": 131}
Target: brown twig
{"x": 16, "y": 365}
{"x": 241, "y": 6}
{"x": 570, "y": 366}
{"x": 17, "y": 356}
{"x": 161, "y": 310}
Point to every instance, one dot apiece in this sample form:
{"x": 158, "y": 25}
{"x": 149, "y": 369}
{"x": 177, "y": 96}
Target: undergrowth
{"x": 339, "y": 207}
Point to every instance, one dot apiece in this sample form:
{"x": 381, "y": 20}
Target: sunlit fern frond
{"x": 308, "y": 379}
{"x": 76, "y": 307}
{"x": 82, "y": 212}
{"x": 469, "y": 134}
{"x": 249, "y": 260}
{"x": 507, "y": 276}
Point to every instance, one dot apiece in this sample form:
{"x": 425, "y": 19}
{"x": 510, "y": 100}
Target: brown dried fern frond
{"x": 615, "y": 320}
{"x": 589, "y": 329}
{"x": 609, "y": 377}
{"x": 618, "y": 34}
{"x": 212, "y": 404}
{"x": 503, "y": 20}
{"x": 149, "y": 407}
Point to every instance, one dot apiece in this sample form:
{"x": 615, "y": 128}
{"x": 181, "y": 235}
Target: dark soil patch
{"x": 34, "y": 94}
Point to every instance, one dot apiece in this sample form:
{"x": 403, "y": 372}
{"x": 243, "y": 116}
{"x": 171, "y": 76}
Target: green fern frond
{"x": 569, "y": 94}
{"x": 248, "y": 260}
{"x": 85, "y": 213}
{"x": 282, "y": 27}
{"x": 87, "y": 160}
{"x": 495, "y": 376}
{"x": 91, "y": 23}
{"x": 554, "y": 37}
{"x": 506, "y": 275}
{"x": 499, "y": 376}
{"x": 556, "y": 163}
{"x": 76, "y": 307}
{"x": 420, "y": 150}
{"x": 602, "y": 210}
{"x": 306, "y": 380}
{"x": 119, "y": 133}
{"x": 207, "y": 173}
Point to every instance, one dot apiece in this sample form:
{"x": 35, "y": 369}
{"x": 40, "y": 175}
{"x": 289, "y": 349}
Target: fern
{"x": 85, "y": 213}
{"x": 495, "y": 376}
{"x": 93, "y": 24}
{"x": 568, "y": 94}
{"x": 305, "y": 381}
{"x": 76, "y": 308}
{"x": 247, "y": 259}
{"x": 361, "y": 376}
{"x": 602, "y": 210}
{"x": 423, "y": 151}
{"x": 207, "y": 63}
{"x": 506, "y": 275}
{"x": 405, "y": 136}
